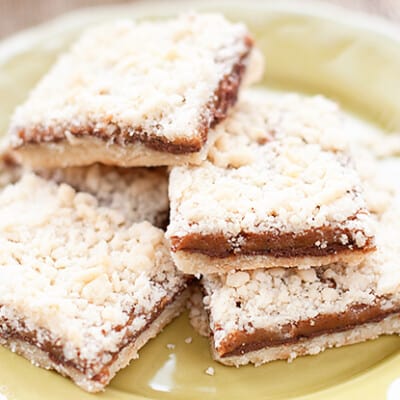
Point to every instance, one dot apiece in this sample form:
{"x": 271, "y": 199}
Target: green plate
{"x": 311, "y": 48}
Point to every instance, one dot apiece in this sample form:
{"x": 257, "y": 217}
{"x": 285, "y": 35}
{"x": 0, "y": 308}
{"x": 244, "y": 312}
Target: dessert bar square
{"x": 135, "y": 94}
{"x": 264, "y": 315}
{"x": 278, "y": 189}
{"x": 82, "y": 288}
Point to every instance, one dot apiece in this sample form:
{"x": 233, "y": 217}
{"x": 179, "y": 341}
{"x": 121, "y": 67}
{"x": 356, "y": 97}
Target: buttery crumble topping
{"x": 140, "y": 194}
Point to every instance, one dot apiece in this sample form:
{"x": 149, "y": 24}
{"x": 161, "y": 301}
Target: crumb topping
{"x": 125, "y": 75}
{"x": 197, "y": 315}
{"x": 379, "y": 144}
{"x": 140, "y": 194}
{"x": 210, "y": 371}
{"x": 280, "y": 164}
{"x": 379, "y": 179}
{"x": 77, "y": 270}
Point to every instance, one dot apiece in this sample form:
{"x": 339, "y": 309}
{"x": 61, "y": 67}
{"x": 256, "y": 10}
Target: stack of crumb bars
{"x": 276, "y": 220}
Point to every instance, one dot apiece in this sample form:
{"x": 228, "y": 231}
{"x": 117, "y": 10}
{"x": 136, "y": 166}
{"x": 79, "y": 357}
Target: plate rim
{"x": 312, "y": 8}
{"x": 19, "y": 41}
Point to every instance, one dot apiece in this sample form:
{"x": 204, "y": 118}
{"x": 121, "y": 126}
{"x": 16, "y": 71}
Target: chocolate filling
{"x": 239, "y": 343}
{"x": 215, "y": 110}
{"x": 55, "y": 351}
{"x": 270, "y": 244}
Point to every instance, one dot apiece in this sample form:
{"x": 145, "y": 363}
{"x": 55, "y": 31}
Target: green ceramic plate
{"x": 312, "y": 48}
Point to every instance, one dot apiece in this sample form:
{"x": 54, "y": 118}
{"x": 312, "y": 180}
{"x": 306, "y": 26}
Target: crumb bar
{"x": 264, "y": 315}
{"x": 135, "y": 94}
{"x": 278, "y": 189}
{"x": 81, "y": 289}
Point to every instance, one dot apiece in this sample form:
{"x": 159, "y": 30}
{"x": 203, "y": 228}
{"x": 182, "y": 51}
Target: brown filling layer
{"x": 55, "y": 351}
{"x": 239, "y": 342}
{"x": 268, "y": 243}
{"x": 216, "y": 110}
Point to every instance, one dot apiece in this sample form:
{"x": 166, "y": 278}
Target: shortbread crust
{"x": 312, "y": 346}
{"x": 45, "y": 359}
